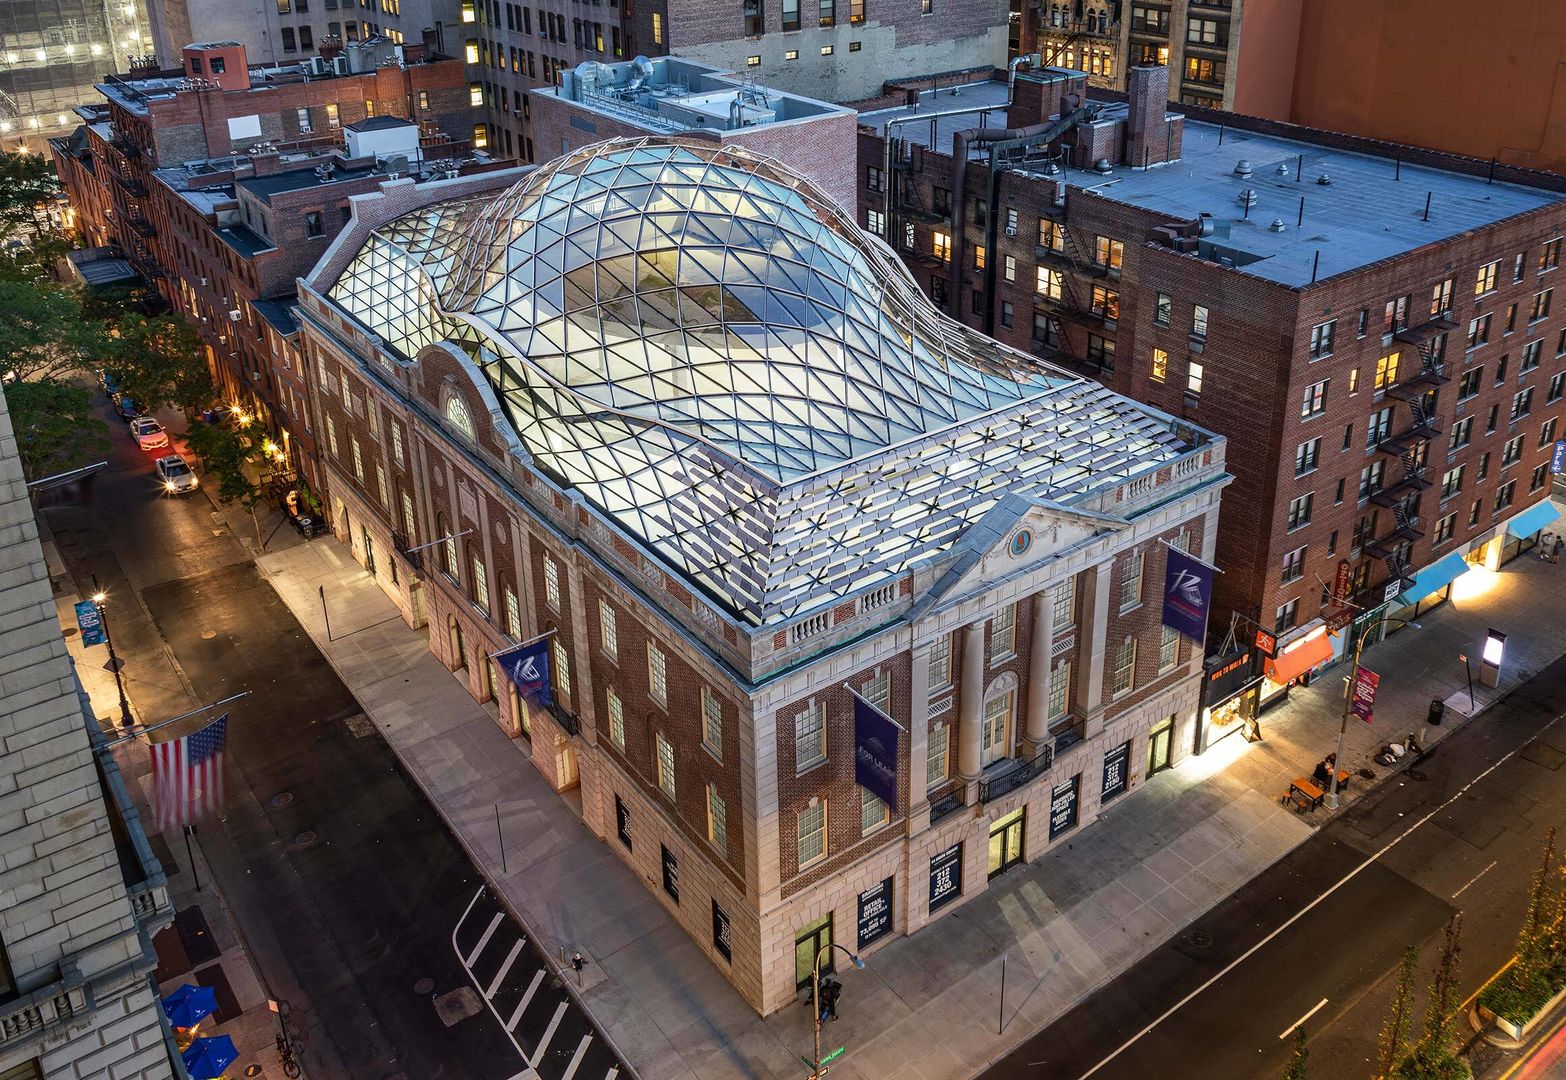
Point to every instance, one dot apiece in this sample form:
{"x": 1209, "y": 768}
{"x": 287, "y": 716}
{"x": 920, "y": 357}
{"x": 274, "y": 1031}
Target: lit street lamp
{"x": 100, "y": 598}
{"x": 1348, "y": 705}
{"x": 815, "y": 998}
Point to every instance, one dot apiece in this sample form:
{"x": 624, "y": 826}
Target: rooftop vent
{"x": 1283, "y": 168}
{"x": 1247, "y": 197}
{"x": 1242, "y": 167}
{"x": 1277, "y": 225}
{"x": 1103, "y": 166}
{"x": 1324, "y": 180}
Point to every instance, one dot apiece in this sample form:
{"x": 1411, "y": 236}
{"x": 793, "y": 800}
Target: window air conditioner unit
{"x": 203, "y": 282}
{"x": 234, "y": 314}
{"x": 1011, "y": 230}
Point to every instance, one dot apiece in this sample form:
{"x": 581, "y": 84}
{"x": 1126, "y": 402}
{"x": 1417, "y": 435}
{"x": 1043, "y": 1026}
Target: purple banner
{"x": 1188, "y": 590}
{"x": 875, "y": 752}
{"x": 1364, "y": 701}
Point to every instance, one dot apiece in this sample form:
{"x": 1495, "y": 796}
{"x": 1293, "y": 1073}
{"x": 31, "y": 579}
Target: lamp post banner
{"x": 1188, "y": 589}
{"x": 1363, "y": 705}
{"x": 875, "y": 752}
{"x": 528, "y": 667}
{"x": 89, "y": 620}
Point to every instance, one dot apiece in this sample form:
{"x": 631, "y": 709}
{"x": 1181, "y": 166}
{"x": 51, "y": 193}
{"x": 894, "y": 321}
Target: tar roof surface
{"x": 1365, "y": 215}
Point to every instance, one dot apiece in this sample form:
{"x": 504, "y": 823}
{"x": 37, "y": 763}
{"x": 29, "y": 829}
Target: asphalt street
{"x": 1320, "y": 933}
{"x": 346, "y": 883}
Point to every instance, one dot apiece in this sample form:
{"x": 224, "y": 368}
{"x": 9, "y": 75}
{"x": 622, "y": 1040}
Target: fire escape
{"x": 1072, "y": 268}
{"x": 131, "y": 204}
{"x": 1411, "y": 446}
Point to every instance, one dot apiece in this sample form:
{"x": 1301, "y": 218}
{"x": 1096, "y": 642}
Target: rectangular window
{"x": 1131, "y": 581}
{"x": 1124, "y": 677}
{"x": 513, "y": 613}
{"x": 480, "y": 583}
{"x": 935, "y": 758}
{"x": 1314, "y": 401}
{"x": 665, "y": 765}
{"x": 1541, "y": 305}
{"x": 810, "y": 737}
{"x": 1321, "y": 339}
{"x": 875, "y": 220}
{"x": 1441, "y": 297}
{"x": 873, "y": 812}
{"x": 1163, "y": 309}
{"x": 1547, "y": 431}
{"x": 1052, "y": 235}
{"x": 657, "y": 28}
{"x": 1168, "y": 648}
{"x": 331, "y": 436}
{"x": 712, "y": 722}
{"x": 1452, "y": 482}
{"x": 978, "y": 256}
{"x": 1003, "y": 634}
{"x": 1199, "y": 321}
{"x": 717, "y": 820}
{"x": 791, "y": 14}
{"x": 1049, "y": 283}
{"x": 1160, "y": 368}
{"x": 1108, "y": 252}
{"x": 380, "y": 484}
{"x": 941, "y": 662}
{"x": 1469, "y": 383}
{"x": 1532, "y": 352}
{"x": 552, "y": 582}
{"x": 608, "y": 630}
{"x": 856, "y": 12}
{"x": 657, "y": 674}
{"x": 1307, "y": 456}
{"x": 288, "y": 39}
{"x": 1484, "y": 280}
{"x": 409, "y": 522}
{"x": 1462, "y": 433}
{"x": 562, "y": 672}
{"x": 826, "y": 11}
{"x": 1386, "y": 370}
{"x": 1557, "y": 387}
{"x": 1287, "y": 617}
{"x": 1540, "y": 477}
{"x": 1106, "y": 303}
{"x": 1511, "y": 453}
{"x": 1505, "y": 494}
{"x": 1522, "y": 403}
{"x": 1478, "y": 331}
{"x": 358, "y": 461}
{"x": 616, "y": 717}
{"x": 1370, "y": 479}
{"x": 1550, "y": 255}
{"x": 812, "y": 833}
{"x": 1193, "y": 378}
{"x": 1294, "y": 565}
{"x": 1060, "y": 691}
{"x": 1445, "y": 527}
{"x": 1299, "y": 511}
{"x": 1063, "y": 603}
{"x": 1378, "y": 427}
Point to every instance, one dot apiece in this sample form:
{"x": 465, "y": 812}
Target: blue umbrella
{"x": 187, "y": 1006}
{"x": 205, "y": 1059}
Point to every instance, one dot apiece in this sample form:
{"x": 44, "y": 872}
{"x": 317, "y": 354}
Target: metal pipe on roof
{"x": 1428, "y": 196}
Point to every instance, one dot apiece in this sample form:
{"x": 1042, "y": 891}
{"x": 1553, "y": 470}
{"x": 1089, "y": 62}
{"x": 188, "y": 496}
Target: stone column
{"x": 1092, "y": 646}
{"x": 970, "y": 707}
{"x": 918, "y": 740}
{"x": 1037, "y": 731}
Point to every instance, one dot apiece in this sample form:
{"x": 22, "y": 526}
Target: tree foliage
{"x": 43, "y": 334}
{"x": 158, "y": 361}
{"x": 1432, "y": 1057}
{"x": 224, "y": 453}
{"x": 55, "y": 428}
{"x": 1394, "y": 1029}
{"x": 27, "y": 186}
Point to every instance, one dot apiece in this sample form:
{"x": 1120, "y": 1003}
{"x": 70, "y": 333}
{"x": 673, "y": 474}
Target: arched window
{"x": 457, "y": 415}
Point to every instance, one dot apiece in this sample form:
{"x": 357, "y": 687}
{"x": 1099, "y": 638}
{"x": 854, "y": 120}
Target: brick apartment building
{"x": 1372, "y": 327}
{"x": 287, "y": 31}
{"x": 730, "y": 500}
{"x": 225, "y": 183}
{"x": 832, "y": 50}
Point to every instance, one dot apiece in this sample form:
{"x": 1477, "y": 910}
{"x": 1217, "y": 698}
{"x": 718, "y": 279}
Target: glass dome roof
{"x": 698, "y": 340}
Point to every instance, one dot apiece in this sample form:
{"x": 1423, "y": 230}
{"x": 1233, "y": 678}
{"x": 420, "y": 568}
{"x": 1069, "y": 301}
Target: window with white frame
{"x": 1060, "y": 690}
{"x": 810, "y": 737}
{"x": 665, "y": 765}
{"x": 1131, "y": 581}
{"x": 331, "y": 436}
{"x": 380, "y": 484}
{"x": 712, "y": 722}
{"x": 1294, "y": 565}
{"x": 1168, "y": 648}
{"x": 717, "y": 820}
{"x": 513, "y": 614}
{"x": 449, "y": 546}
{"x": 878, "y": 690}
{"x": 657, "y": 674}
{"x": 480, "y": 582}
{"x": 873, "y": 812}
{"x": 1125, "y": 666}
{"x": 616, "y": 717}
{"x": 1063, "y": 603}
{"x": 1003, "y": 634}
{"x": 372, "y": 415}
{"x": 347, "y": 392}
{"x": 409, "y": 522}
{"x": 812, "y": 833}
{"x": 562, "y": 668}
{"x": 396, "y": 430}
{"x": 608, "y": 630}
{"x": 941, "y": 662}
{"x": 935, "y": 759}
{"x": 358, "y": 461}
{"x": 552, "y": 582}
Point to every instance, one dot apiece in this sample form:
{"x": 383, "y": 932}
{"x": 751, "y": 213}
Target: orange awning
{"x": 1299, "y": 657}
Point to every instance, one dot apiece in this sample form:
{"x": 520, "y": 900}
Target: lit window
{"x": 812, "y": 833}
{"x": 1199, "y": 321}
{"x": 657, "y": 28}
{"x": 717, "y": 820}
{"x": 480, "y": 583}
{"x": 608, "y": 629}
{"x": 475, "y": 94}
{"x": 471, "y": 53}
{"x": 358, "y": 461}
{"x": 941, "y": 245}
{"x": 1160, "y": 365}
{"x": 480, "y": 136}
{"x": 1484, "y": 280}
{"x": 457, "y": 415}
{"x": 810, "y": 737}
{"x": 752, "y": 61}
{"x": 562, "y": 664}
{"x": 397, "y": 443}
{"x": 1386, "y": 370}
{"x": 873, "y": 812}
{"x": 665, "y": 766}
{"x": 513, "y": 614}
{"x": 1193, "y": 378}
{"x": 467, "y": 12}
{"x": 552, "y": 582}
{"x": 616, "y": 717}
{"x": 712, "y": 723}
{"x": 657, "y": 674}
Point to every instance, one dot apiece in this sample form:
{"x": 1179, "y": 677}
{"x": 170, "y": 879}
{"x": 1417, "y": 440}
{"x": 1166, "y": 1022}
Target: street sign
{"x": 1340, "y": 618}
{"x": 1363, "y": 705}
{"x": 90, "y": 621}
{"x": 834, "y": 1055}
{"x": 1394, "y": 587}
{"x": 1267, "y": 643}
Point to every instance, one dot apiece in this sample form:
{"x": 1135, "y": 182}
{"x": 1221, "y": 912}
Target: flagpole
{"x": 165, "y": 723}
{"x": 524, "y": 644}
{"x": 884, "y": 714}
{"x": 438, "y": 540}
{"x": 1188, "y": 555}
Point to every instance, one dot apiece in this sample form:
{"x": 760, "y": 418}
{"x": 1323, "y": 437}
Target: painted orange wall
{"x": 1479, "y": 79}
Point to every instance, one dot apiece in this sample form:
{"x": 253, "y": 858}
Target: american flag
{"x": 187, "y": 775}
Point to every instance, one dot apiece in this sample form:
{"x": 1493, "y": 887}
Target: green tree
{"x": 43, "y": 334}
{"x": 1296, "y": 1068}
{"x": 55, "y": 428}
{"x": 1394, "y": 1029}
{"x": 1432, "y": 1058}
{"x": 158, "y": 361}
{"x": 224, "y": 453}
{"x": 27, "y": 186}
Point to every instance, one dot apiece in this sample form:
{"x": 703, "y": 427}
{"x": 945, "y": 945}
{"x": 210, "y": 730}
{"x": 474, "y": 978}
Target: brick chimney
{"x": 220, "y": 62}
{"x": 1042, "y": 93}
{"x": 1152, "y": 136}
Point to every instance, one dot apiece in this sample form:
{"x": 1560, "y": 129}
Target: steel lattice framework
{"x": 712, "y": 354}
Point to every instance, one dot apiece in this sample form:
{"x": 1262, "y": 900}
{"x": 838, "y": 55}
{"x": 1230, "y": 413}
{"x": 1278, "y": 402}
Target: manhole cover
{"x": 424, "y": 986}
{"x": 305, "y": 839}
{"x": 208, "y": 635}
{"x": 1199, "y": 939}
{"x": 1416, "y": 775}
{"x": 282, "y": 799}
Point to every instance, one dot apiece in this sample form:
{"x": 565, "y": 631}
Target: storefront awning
{"x": 1533, "y": 519}
{"x": 1298, "y": 658}
{"x": 1434, "y": 578}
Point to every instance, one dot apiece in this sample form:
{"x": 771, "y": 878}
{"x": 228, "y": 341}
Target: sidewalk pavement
{"x": 204, "y": 946}
{"x": 927, "y": 1007}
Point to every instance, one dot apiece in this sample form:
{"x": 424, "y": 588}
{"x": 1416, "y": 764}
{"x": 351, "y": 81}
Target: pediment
{"x": 1017, "y": 535}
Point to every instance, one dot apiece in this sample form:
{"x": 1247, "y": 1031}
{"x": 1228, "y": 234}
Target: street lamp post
{"x": 1348, "y": 705}
{"x": 100, "y": 600}
{"x": 815, "y": 998}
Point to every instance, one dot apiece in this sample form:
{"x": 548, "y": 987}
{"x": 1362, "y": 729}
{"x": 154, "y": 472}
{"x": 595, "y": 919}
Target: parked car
{"x": 176, "y": 475}
{"x": 127, "y": 408}
{"x": 149, "y": 434}
{"x": 109, "y": 381}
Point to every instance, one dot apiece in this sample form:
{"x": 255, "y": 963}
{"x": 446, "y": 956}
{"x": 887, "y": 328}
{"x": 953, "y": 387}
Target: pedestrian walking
{"x": 832, "y": 993}
{"x": 1556, "y": 551}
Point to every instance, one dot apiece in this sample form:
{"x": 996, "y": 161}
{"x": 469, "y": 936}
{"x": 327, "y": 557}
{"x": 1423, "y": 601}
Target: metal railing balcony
{"x": 32, "y": 1017}
{"x": 1004, "y": 777}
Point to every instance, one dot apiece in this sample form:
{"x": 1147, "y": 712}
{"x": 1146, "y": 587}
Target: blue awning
{"x": 1434, "y": 578}
{"x": 1533, "y": 519}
